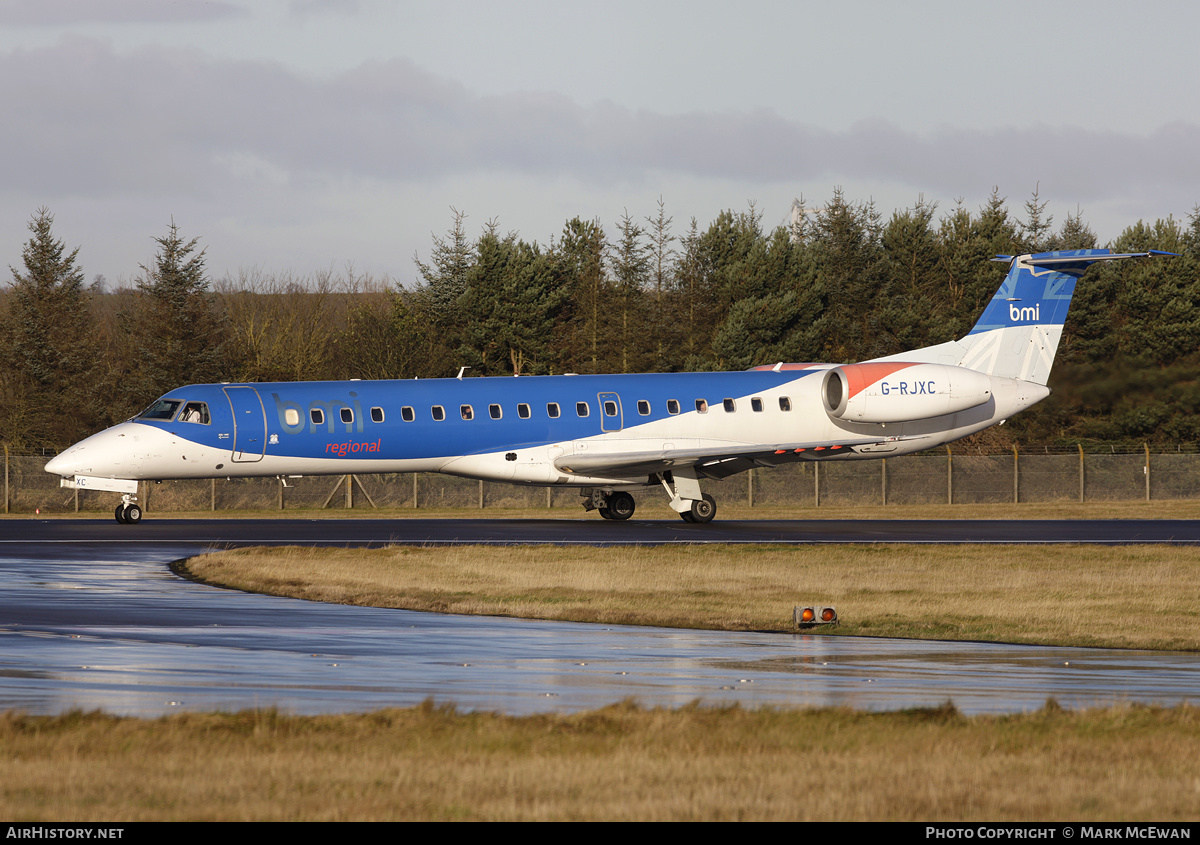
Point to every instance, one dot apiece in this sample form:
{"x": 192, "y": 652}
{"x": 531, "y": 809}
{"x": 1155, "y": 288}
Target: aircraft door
{"x": 610, "y": 412}
{"x": 249, "y": 423}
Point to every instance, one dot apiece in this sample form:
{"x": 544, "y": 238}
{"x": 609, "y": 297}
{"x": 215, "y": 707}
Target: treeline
{"x": 840, "y": 282}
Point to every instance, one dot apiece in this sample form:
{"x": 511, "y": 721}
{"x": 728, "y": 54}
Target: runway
{"x": 91, "y": 617}
{"x": 594, "y": 531}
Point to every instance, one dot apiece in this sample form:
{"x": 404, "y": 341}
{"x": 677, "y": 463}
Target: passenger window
{"x": 291, "y": 417}
{"x": 438, "y": 412}
{"x": 494, "y": 412}
{"x": 785, "y": 404}
{"x": 377, "y": 414}
{"x": 347, "y": 415}
{"x": 552, "y": 410}
{"x": 672, "y": 406}
{"x": 730, "y": 406}
{"x": 702, "y": 406}
{"x": 756, "y": 405}
{"x": 610, "y": 408}
{"x": 468, "y": 413}
{"x": 523, "y": 411}
{"x": 643, "y": 407}
{"x": 581, "y": 409}
{"x": 317, "y": 416}
{"x": 406, "y": 413}
{"x": 197, "y": 412}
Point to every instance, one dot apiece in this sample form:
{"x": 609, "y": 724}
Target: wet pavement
{"x": 107, "y": 626}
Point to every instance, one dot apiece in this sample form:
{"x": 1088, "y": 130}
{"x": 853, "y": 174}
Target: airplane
{"x": 607, "y": 435}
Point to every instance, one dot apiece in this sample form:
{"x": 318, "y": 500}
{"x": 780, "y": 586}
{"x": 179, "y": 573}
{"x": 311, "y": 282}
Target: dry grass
{"x": 1121, "y": 596}
{"x": 619, "y": 763}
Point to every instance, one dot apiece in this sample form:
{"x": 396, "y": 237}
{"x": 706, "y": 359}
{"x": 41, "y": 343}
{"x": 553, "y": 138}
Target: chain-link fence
{"x": 1046, "y": 474}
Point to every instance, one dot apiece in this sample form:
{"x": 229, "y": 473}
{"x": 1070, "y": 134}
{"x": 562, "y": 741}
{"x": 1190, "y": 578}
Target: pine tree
{"x": 631, "y": 264}
{"x": 178, "y": 333}
{"x": 446, "y": 276}
{"x": 48, "y": 343}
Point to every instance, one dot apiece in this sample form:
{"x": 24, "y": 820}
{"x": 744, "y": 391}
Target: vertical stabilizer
{"x": 1018, "y": 333}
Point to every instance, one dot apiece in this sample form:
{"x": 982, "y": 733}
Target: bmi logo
{"x": 1018, "y": 315}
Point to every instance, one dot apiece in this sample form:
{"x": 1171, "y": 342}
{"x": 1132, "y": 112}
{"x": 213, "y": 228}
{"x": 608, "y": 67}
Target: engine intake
{"x": 889, "y": 392}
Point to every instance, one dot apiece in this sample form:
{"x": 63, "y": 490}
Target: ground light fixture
{"x": 811, "y": 615}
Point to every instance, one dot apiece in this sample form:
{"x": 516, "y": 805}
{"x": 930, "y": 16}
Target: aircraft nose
{"x": 58, "y": 465}
{"x": 104, "y": 454}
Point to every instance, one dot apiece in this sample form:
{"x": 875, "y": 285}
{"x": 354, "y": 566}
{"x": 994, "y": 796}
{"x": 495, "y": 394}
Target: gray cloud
{"x": 88, "y": 123}
{"x": 84, "y": 119}
{"x": 73, "y": 12}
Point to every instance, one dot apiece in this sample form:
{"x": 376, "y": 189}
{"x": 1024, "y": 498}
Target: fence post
{"x": 1016, "y": 477}
{"x": 1081, "y": 481}
{"x": 415, "y": 505}
{"x": 1147, "y": 445}
{"x": 481, "y": 494}
{"x": 350, "y": 492}
{"x": 883, "y": 478}
{"x": 750, "y": 488}
{"x": 949, "y": 477}
{"x": 6, "y": 478}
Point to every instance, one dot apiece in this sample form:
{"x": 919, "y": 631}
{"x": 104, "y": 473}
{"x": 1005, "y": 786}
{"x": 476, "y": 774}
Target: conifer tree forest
{"x": 844, "y": 282}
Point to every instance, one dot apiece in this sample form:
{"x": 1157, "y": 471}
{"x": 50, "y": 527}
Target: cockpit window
{"x": 163, "y": 409}
{"x": 195, "y": 412}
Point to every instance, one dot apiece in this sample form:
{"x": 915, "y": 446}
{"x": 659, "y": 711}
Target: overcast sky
{"x": 300, "y": 135}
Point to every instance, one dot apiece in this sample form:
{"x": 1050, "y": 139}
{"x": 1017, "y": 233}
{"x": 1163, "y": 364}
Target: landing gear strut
{"x": 128, "y": 512}
{"x": 683, "y": 487}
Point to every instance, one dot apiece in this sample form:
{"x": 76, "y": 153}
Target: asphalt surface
{"x": 594, "y": 531}
{"x": 92, "y": 618}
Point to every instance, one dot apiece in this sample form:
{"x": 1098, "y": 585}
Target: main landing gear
{"x": 616, "y": 505}
{"x": 683, "y": 487}
{"x": 128, "y": 512}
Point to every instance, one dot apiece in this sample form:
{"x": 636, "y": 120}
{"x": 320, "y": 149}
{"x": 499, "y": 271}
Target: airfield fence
{"x": 1042, "y": 474}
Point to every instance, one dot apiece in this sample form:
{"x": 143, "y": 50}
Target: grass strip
{"x": 1074, "y": 595}
{"x": 623, "y": 762}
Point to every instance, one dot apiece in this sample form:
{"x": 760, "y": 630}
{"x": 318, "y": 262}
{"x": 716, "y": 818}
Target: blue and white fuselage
{"x": 605, "y": 434}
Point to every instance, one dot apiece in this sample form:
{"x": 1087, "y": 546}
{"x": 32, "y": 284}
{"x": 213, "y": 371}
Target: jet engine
{"x": 890, "y": 392}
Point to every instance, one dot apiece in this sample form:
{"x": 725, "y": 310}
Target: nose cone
{"x": 60, "y": 465}
{"x": 109, "y": 454}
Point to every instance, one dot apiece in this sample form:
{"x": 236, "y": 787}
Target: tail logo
{"x": 1022, "y": 315}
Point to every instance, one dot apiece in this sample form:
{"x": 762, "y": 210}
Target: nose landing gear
{"x": 128, "y": 512}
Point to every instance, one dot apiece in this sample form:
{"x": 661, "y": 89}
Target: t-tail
{"x": 1018, "y": 333}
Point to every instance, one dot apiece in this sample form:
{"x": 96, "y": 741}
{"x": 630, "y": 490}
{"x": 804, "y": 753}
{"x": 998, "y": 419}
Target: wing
{"x": 714, "y": 461}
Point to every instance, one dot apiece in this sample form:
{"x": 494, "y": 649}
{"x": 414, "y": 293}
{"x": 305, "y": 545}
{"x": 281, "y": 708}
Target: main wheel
{"x": 120, "y": 513}
{"x": 606, "y": 513}
{"x": 704, "y": 509}
{"x": 133, "y": 514}
{"x": 620, "y": 506}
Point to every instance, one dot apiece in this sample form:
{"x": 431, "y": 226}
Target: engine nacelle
{"x": 889, "y": 391}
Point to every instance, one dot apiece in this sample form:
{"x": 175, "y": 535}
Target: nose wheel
{"x": 129, "y": 513}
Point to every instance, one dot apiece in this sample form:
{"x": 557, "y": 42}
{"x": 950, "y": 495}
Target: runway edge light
{"x": 810, "y": 615}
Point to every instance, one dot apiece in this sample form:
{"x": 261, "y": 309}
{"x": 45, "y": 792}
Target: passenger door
{"x": 249, "y": 423}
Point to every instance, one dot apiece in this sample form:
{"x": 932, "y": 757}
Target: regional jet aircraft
{"x": 607, "y": 435}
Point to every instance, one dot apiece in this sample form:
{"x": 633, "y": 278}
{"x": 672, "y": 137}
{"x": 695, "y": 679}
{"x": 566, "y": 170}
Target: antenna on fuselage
{"x": 462, "y": 370}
